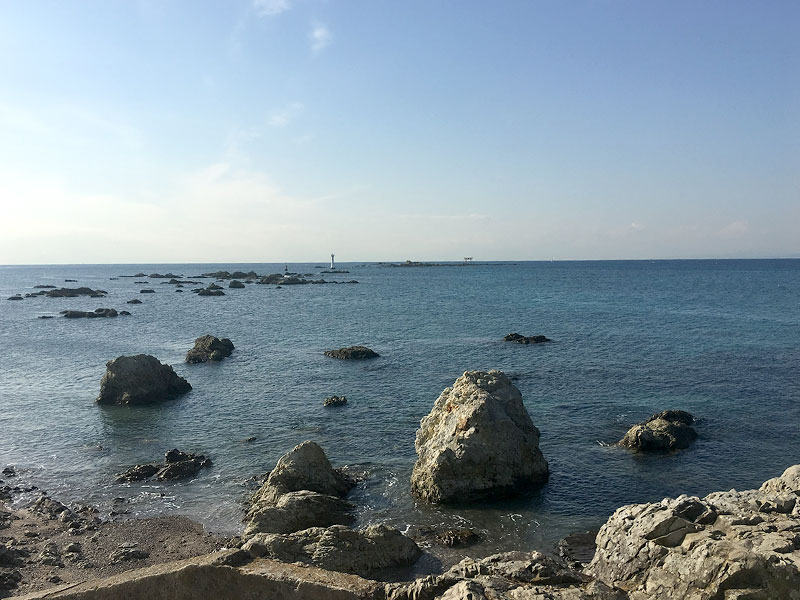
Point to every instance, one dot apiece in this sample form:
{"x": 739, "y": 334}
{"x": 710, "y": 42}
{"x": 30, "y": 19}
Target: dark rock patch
{"x": 335, "y": 401}
{"x": 208, "y": 348}
{"x": 134, "y": 301}
{"x": 236, "y": 284}
{"x": 98, "y": 312}
{"x": 352, "y": 353}
{"x": 205, "y": 292}
{"x": 140, "y": 379}
{"x": 667, "y": 430}
{"x": 177, "y": 465}
{"x": 75, "y": 292}
{"x": 521, "y": 339}
{"x": 147, "y": 291}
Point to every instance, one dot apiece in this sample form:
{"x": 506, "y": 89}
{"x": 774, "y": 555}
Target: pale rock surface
{"x": 478, "y": 442}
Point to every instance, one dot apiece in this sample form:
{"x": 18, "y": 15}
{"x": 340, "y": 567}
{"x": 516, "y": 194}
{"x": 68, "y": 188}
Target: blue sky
{"x": 283, "y": 130}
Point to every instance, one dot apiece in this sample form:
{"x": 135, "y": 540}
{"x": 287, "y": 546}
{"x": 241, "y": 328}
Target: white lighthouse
{"x": 332, "y": 265}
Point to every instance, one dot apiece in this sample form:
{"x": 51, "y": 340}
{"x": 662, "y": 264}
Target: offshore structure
{"x": 332, "y": 265}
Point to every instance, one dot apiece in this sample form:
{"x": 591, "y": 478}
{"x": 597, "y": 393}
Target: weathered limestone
{"x": 477, "y": 443}
{"x": 208, "y": 348}
{"x": 140, "y": 379}
{"x": 730, "y": 545}
{"x": 667, "y": 430}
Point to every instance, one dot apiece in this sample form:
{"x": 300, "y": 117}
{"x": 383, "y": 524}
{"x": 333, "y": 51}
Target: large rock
{"x": 352, "y": 353}
{"x": 339, "y": 548}
{"x": 177, "y": 465}
{"x": 667, "y": 430}
{"x": 477, "y": 443}
{"x": 75, "y": 292}
{"x": 521, "y": 339}
{"x": 208, "y": 348}
{"x": 302, "y": 491}
{"x": 140, "y": 379}
{"x": 728, "y": 545}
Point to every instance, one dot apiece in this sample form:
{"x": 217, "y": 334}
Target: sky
{"x": 284, "y": 130}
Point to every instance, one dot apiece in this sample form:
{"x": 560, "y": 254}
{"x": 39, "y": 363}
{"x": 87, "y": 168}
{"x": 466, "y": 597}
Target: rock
{"x": 9, "y": 579}
{"x": 44, "y": 287}
{"x": 210, "y": 293}
{"x": 124, "y": 313}
{"x": 9, "y": 471}
{"x": 140, "y": 379}
{"x": 722, "y": 546}
{"x": 335, "y": 401}
{"x": 75, "y": 292}
{"x": 137, "y": 473}
{"x": 209, "y": 348}
{"x": 126, "y": 552}
{"x": 45, "y": 317}
{"x": 99, "y": 312}
{"x": 236, "y": 284}
{"x": 15, "y": 297}
{"x": 50, "y": 556}
{"x": 521, "y": 339}
{"x": 352, "y": 353}
{"x": 578, "y": 547}
{"x": 159, "y": 276}
{"x": 134, "y": 301}
{"x": 147, "y": 291}
{"x": 451, "y": 538}
{"x": 177, "y": 465}
{"x": 11, "y": 556}
{"x": 477, "y": 443}
{"x": 214, "y": 286}
{"x": 302, "y": 491}
{"x": 49, "y": 507}
{"x": 667, "y": 430}
{"x": 339, "y": 548}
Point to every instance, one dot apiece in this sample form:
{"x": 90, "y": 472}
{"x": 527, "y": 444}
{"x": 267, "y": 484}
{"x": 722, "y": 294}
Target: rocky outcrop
{"x": 521, "y": 339}
{"x": 15, "y": 297}
{"x": 147, "y": 291}
{"x": 98, "y": 313}
{"x": 236, "y": 284}
{"x": 134, "y": 301}
{"x": 335, "y": 401}
{"x": 207, "y": 292}
{"x": 140, "y": 379}
{"x": 208, "y": 348}
{"x": 477, "y": 443}
{"x": 339, "y": 548}
{"x": 177, "y": 465}
{"x": 352, "y": 353}
{"x": 728, "y": 545}
{"x": 667, "y": 430}
{"x": 506, "y": 576}
{"x": 302, "y": 491}
{"x": 75, "y": 292}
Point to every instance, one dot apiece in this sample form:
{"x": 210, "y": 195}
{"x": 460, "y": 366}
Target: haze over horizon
{"x": 284, "y": 130}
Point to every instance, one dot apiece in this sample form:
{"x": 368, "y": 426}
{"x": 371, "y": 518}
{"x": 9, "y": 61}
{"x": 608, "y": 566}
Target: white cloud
{"x": 735, "y": 229}
{"x": 270, "y": 8}
{"x": 320, "y": 38}
{"x": 285, "y": 115}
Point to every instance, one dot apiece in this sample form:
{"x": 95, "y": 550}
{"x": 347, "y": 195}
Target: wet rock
{"x": 335, "y": 401}
{"x": 177, "y": 465}
{"x": 577, "y": 548}
{"x": 75, "y": 292}
{"x": 667, "y": 430}
{"x": 339, "y": 548}
{"x": 160, "y": 276}
{"x": 140, "y": 379}
{"x": 521, "y": 339}
{"x": 124, "y": 313}
{"x": 147, "y": 291}
{"x": 45, "y": 317}
{"x": 452, "y": 538}
{"x": 477, "y": 443}
{"x": 134, "y": 301}
{"x": 352, "y": 353}
{"x": 15, "y": 297}
{"x": 9, "y": 471}
{"x": 206, "y": 292}
{"x": 98, "y": 313}
{"x": 44, "y": 287}
{"x": 235, "y": 284}
{"x": 209, "y": 348}
{"x": 137, "y": 473}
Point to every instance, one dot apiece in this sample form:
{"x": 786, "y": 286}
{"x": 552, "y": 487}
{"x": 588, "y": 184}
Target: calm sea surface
{"x": 720, "y": 339}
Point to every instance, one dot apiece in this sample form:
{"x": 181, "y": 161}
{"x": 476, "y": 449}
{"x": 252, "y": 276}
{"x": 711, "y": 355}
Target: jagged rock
{"x": 521, "y": 339}
{"x": 335, "y": 401}
{"x": 235, "y": 284}
{"x": 667, "y": 430}
{"x": 728, "y": 545}
{"x": 49, "y": 507}
{"x": 205, "y": 292}
{"x": 137, "y": 473}
{"x": 452, "y": 538}
{"x": 352, "y": 353}
{"x": 304, "y": 469}
{"x": 177, "y": 465}
{"x": 140, "y": 379}
{"x": 75, "y": 292}
{"x": 209, "y": 348}
{"x": 98, "y": 312}
{"x": 477, "y": 443}
{"x": 339, "y": 548}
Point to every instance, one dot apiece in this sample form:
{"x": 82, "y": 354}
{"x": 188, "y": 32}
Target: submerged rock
{"x": 521, "y": 339}
{"x": 209, "y": 348}
{"x": 279, "y": 505}
{"x": 667, "y": 430}
{"x": 477, "y": 443}
{"x": 15, "y": 297}
{"x": 140, "y": 379}
{"x": 177, "y": 465}
{"x": 352, "y": 353}
{"x": 726, "y": 545}
{"x": 339, "y": 548}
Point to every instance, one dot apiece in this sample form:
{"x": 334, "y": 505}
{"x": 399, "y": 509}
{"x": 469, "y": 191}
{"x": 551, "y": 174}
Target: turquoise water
{"x": 720, "y": 339}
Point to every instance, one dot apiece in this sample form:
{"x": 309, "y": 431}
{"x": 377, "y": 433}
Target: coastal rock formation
{"x": 335, "y": 401}
{"x": 726, "y": 545}
{"x": 75, "y": 292}
{"x": 209, "y": 348}
{"x": 140, "y": 379}
{"x": 15, "y": 297}
{"x": 477, "y": 443}
{"x": 521, "y": 339}
{"x": 206, "y": 292}
{"x": 302, "y": 491}
{"x": 134, "y": 301}
{"x": 98, "y": 312}
{"x": 235, "y": 284}
{"x": 177, "y": 465}
{"x": 352, "y": 353}
{"x": 667, "y": 430}
{"x": 147, "y": 291}
{"x": 339, "y": 548}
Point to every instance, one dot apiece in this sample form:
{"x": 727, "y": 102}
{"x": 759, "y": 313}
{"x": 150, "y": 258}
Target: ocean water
{"x": 720, "y": 339}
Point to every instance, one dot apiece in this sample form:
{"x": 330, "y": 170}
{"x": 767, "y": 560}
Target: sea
{"x": 718, "y": 338}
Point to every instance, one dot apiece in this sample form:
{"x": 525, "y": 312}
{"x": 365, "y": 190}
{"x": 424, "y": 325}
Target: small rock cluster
{"x": 177, "y": 465}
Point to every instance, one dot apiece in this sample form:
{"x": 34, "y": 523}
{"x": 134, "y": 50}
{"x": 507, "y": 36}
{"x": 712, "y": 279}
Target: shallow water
{"x": 716, "y": 338}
